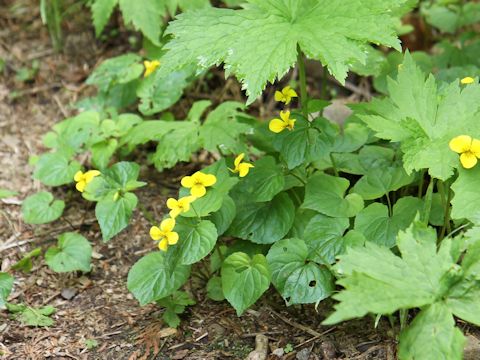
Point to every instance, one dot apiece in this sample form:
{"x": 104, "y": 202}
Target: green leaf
{"x": 197, "y": 239}
{"x": 6, "y": 285}
{"x": 101, "y": 12}
{"x": 41, "y": 208}
{"x": 299, "y": 280}
{"x": 325, "y": 238}
{"x": 466, "y": 195}
{"x": 221, "y": 130}
{"x": 463, "y": 301}
{"x": 214, "y": 289}
{"x": 176, "y": 145}
{"x": 113, "y": 215}
{"x": 263, "y": 223}
{"x": 5, "y": 193}
{"x": 326, "y": 194}
{"x": 73, "y": 253}
{"x": 102, "y": 152}
{"x": 432, "y": 335}
{"x": 378, "y": 182}
{"x": 223, "y": 218}
{"x": 145, "y": 15}
{"x": 156, "y": 276}
{"x": 123, "y": 175}
{"x": 216, "y": 194}
{"x": 259, "y": 42}
{"x": 301, "y": 145}
{"x": 118, "y": 70}
{"x": 25, "y": 263}
{"x": 264, "y": 181}
{"x": 55, "y": 169}
{"x": 378, "y": 227}
{"x": 158, "y": 91}
{"x": 418, "y": 115}
{"x": 377, "y": 281}
{"x": 244, "y": 279}
{"x": 30, "y": 316}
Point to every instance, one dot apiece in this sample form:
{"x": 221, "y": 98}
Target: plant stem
{"x": 303, "y": 82}
{"x": 420, "y": 186}
{"x": 334, "y": 165}
{"x": 403, "y": 318}
{"x": 389, "y": 203}
{"x": 428, "y": 202}
{"x": 445, "y": 194}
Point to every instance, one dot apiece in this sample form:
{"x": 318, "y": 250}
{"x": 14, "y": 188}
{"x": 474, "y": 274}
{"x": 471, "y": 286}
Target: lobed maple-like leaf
{"x": 258, "y": 43}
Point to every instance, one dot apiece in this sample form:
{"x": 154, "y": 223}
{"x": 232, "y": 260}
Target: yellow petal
{"x": 163, "y": 245}
{"x": 198, "y": 190}
{"x": 475, "y": 147}
{"x": 460, "y": 144}
{"x": 209, "y": 180}
{"x": 80, "y": 186}
{"x": 156, "y": 233}
{"x": 244, "y": 168}
{"x": 291, "y": 124}
{"x": 285, "y": 115}
{"x": 172, "y": 203}
{"x": 174, "y": 213}
{"x": 187, "y": 182}
{"x": 78, "y": 176}
{"x": 279, "y": 96}
{"x": 150, "y": 67}
{"x": 172, "y": 238}
{"x": 276, "y": 126}
{"x": 468, "y": 160}
{"x": 238, "y": 159}
{"x": 467, "y": 80}
{"x": 167, "y": 225}
{"x": 89, "y": 175}
{"x": 291, "y": 93}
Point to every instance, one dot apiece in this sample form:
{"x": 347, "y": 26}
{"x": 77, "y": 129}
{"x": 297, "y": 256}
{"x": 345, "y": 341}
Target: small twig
{"x": 201, "y": 337}
{"x": 315, "y": 337}
{"x": 296, "y": 325}
{"x": 60, "y": 106}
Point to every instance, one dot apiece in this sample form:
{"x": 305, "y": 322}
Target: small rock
{"x": 337, "y": 112}
{"x": 261, "y": 348}
{"x": 303, "y": 354}
{"x": 278, "y": 352}
{"x": 327, "y": 350}
{"x": 68, "y": 293}
{"x": 472, "y": 348}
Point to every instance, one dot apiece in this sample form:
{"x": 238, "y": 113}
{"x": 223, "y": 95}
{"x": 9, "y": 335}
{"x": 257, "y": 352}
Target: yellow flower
{"x": 150, "y": 67}
{"x": 179, "y": 206}
{"x": 83, "y": 179}
{"x": 277, "y": 125}
{"x": 285, "y": 95}
{"x": 164, "y": 234}
{"x": 468, "y": 148}
{"x": 467, "y": 80}
{"x": 198, "y": 182}
{"x": 242, "y": 168}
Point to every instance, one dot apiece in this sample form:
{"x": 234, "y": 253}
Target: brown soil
{"x": 97, "y": 306}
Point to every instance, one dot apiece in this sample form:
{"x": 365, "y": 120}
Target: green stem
{"x": 403, "y": 318}
{"x": 334, "y": 165}
{"x": 389, "y": 203}
{"x": 445, "y": 195}
{"x": 297, "y": 177}
{"x": 428, "y": 202}
{"x": 303, "y": 82}
{"x": 420, "y": 186}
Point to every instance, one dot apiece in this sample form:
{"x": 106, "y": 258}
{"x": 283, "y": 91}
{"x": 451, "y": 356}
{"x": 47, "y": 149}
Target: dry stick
{"x": 297, "y": 325}
{"x": 315, "y": 337}
{"x": 46, "y": 233}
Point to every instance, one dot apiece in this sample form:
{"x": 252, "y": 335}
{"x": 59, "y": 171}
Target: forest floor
{"x": 97, "y": 306}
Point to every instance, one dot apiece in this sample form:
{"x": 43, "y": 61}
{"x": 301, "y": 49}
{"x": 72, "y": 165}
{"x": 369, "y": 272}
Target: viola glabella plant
{"x": 380, "y": 212}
